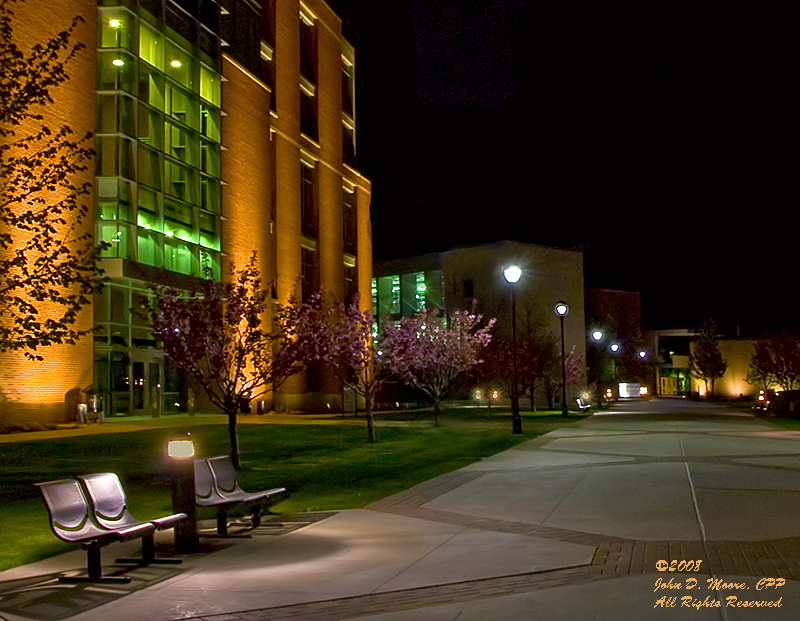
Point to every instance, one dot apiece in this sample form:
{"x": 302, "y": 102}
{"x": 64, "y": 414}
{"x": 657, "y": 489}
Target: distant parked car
{"x": 784, "y": 404}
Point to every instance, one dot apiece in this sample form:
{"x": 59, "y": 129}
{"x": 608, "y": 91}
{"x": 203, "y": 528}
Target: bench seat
{"x": 216, "y": 486}
{"x": 70, "y": 520}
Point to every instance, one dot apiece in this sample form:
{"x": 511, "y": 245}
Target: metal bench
{"x": 70, "y": 519}
{"x": 583, "y": 405}
{"x": 216, "y": 486}
{"x": 110, "y": 511}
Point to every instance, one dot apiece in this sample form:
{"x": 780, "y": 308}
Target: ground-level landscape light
{"x": 180, "y": 454}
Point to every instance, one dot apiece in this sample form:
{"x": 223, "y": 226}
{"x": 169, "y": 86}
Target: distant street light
{"x": 597, "y": 335}
{"x": 512, "y": 275}
{"x": 561, "y": 310}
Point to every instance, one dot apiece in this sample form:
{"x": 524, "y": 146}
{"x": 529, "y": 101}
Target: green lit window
{"x": 117, "y": 236}
{"x": 151, "y": 46}
{"x": 116, "y": 71}
{"x": 209, "y": 158}
{"x": 180, "y": 181}
{"x": 151, "y": 87}
{"x": 107, "y": 210}
{"x": 209, "y": 191}
{"x": 158, "y": 135}
{"x": 116, "y": 114}
{"x": 209, "y": 230}
{"x": 182, "y": 144}
{"x": 210, "y": 86}
{"x": 181, "y": 106}
{"x": 210, "y": 264}
{"x": 150, "y": 247}
{"x": 421, "y": 288}
{"x": 210, "y": 125}
{"x": 148, "y": 219}
{"x": 395, "y": 304}
{"x": 151, "y": 127}
{"x": 179, "y": 65}
{"x": 149, "y": 167}
{"x": 178, "y": 256}
{"x": 115, "y": 28}
{"x": 114, "y": 156}
{"x": 179, "y": 221}
{"x": 149, "y": 209}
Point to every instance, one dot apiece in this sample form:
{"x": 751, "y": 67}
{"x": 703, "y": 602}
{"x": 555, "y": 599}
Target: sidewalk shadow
{"x": 44, "y": 598}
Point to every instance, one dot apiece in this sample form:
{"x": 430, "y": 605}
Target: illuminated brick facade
{"x": 221, "y": 129}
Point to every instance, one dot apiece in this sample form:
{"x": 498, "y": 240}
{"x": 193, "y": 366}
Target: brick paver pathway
{"x": 613, "y": 557}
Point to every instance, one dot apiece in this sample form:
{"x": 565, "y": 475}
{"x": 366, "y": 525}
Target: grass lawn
{"x": 326, "y": 466}
{"x": 791, "y": 424}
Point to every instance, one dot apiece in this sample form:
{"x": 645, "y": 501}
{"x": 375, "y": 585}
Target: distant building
{"x": 220, "y": 128}
{"x": 675, "y": 376}
{"x": 451, "y": 280}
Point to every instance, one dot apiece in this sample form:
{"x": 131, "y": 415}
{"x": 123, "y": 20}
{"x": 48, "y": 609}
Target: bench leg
{"x": 222, "y": 527}
{"x": 222, "y": 522}
{"x": 94, "y": 571}
{"x": 148, "y": 555}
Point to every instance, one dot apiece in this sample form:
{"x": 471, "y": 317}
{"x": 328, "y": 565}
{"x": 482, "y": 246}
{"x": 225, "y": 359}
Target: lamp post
{"x": 180, "y": 451}
{"x": 595, "y": 365}
{"x": 512, "y": 275}
{"x": 561, "y": 310}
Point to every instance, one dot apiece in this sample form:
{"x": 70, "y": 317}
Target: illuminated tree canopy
{"x": 48, "y": 266}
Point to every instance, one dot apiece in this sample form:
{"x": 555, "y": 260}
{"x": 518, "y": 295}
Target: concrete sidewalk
{"x": 571, "y": 525}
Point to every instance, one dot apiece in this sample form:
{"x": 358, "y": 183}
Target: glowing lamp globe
{"x": 180, "y": 446}
{"x": 512, "y": 274}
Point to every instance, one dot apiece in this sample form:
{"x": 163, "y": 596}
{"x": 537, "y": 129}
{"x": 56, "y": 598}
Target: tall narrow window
{"x": 308, "y": 47}
{"x": 308, "y": 224}
{"x": 309, "y": 273}
{"x": 349, "y": 220}
{"x": 348, "y": 95}
{"x": 308, "y": 114}
{"x": 348, "y": 106}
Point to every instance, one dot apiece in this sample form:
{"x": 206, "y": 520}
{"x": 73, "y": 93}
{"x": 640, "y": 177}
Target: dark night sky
{"x": 659, "y": 139}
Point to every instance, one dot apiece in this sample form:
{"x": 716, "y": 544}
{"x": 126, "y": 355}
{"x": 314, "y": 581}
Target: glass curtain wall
{"x": 157, "y": 183}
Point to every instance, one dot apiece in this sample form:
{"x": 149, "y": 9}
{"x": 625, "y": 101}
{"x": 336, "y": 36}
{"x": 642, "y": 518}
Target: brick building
{"x": 221, "y": 127}
{"x": 461, "y": 277}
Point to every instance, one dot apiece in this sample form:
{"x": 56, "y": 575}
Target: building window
{"x": 348, "y": 89}
{"x": 349, "y": 220}
{"x": 309, "y": 273}
{"x": 348, "y": 108}
{"x": 308, "y": 218}
{"x": 308, "y": 115}
{"x": 158, "y": 144}
{"x": 350, "y": 283}
{"x": 308, "y": 47}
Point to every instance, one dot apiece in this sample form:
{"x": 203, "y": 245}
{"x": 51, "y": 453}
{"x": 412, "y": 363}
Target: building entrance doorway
{"x": 147, "y": 381}
{"x": 669, "y": 385}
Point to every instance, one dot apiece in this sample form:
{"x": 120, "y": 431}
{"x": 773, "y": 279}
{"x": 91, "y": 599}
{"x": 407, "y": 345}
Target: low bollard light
{"x": 180, "y": 451}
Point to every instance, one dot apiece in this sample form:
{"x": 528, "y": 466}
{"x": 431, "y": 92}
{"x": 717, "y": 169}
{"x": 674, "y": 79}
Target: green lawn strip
{"x": 791, "y": 424}
{"x": 324, "y": 467}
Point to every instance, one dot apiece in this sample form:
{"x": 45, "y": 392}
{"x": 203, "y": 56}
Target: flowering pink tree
{"x": 428, "y": 351}
{"x": 214, "y": 334}
{"x": 346, "y": 335}
{"x": 574, "y": 365}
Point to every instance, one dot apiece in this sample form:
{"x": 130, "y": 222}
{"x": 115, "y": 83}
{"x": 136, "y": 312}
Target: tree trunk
{"x": 436, "y": 412}
{"x": 234, "y": 438}
{"x": 370, "y": 427}
{"x": 370, "y": 422}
